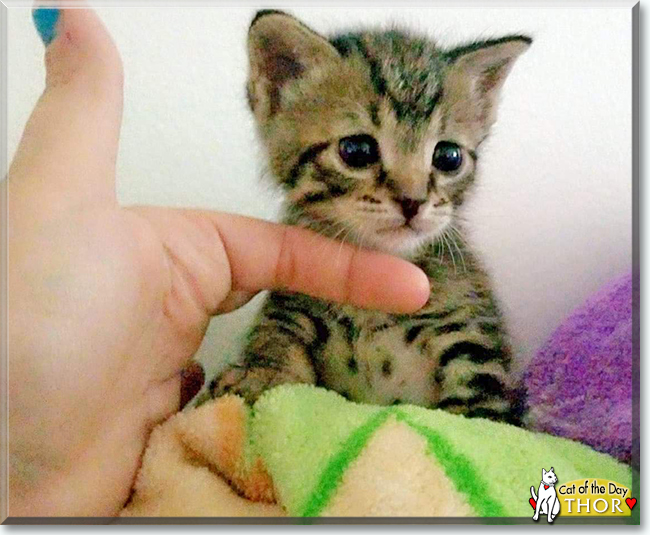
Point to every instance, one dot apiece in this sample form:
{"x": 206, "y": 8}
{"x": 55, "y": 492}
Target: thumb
{"x": 69, "y": 147}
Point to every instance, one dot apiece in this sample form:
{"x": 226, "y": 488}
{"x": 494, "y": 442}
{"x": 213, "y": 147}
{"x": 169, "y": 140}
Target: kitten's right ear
{"x": 280, "y": 50}
{"x": 543, "y": 472}
{"x": 476, "y": 73}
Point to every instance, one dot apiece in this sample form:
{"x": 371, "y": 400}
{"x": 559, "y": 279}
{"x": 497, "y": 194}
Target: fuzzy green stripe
{"x": 339, "y": 463}
{"x": 459, "y": 469}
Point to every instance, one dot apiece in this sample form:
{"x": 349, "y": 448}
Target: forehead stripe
{"x": 405, "y": 111}
{"x": 347, "y": 44}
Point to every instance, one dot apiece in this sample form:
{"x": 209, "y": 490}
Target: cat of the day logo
{"x": 583, "y": 497}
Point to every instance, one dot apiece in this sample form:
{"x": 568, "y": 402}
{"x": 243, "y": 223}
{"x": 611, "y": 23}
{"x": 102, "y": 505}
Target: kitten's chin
{"x": 402, "y": 241}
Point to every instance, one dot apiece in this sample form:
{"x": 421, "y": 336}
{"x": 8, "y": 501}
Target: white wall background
{"x": 553, "y": 215}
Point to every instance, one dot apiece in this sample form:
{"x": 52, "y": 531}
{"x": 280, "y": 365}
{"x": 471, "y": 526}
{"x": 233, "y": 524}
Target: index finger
{"x": 270, "y": 256}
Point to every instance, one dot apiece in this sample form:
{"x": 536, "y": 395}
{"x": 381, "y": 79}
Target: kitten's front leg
{"x": 278, "y": 352}
{"x": 471, "y": 374}
{"x": 250, "y": 379}
{"x": 474, "y": 381}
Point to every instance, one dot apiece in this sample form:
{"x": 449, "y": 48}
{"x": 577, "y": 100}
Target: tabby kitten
{"x": 374, "y": 137}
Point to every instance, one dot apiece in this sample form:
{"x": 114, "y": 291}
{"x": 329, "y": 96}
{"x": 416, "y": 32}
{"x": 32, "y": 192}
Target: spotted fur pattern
{"x": 307, "y": 93}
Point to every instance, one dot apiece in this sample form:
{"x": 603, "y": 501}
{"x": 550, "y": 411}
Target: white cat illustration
{"x": 546, "y": 502}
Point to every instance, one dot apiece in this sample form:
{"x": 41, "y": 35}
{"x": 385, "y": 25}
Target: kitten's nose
{"x": 409, "y": 206}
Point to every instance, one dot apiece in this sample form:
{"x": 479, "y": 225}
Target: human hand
{"x": 108, "y": 304}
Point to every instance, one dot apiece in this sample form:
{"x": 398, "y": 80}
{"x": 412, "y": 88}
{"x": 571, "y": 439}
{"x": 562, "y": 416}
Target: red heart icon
{"x": 631, "y": 502}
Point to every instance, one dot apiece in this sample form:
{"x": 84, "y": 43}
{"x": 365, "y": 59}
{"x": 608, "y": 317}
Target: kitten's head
{"x": 373, "y": 135}
{"x": 549, "y": 477}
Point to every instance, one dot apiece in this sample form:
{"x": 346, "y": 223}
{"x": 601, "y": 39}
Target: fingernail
{"x": 45, "y": 20}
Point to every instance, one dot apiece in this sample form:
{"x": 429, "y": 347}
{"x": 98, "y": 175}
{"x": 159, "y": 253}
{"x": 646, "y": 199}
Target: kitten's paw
{"x": 249, "y": 383}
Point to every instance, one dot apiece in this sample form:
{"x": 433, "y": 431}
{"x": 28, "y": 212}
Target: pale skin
{"x": 108, "y": 304}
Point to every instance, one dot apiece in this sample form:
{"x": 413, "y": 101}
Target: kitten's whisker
{"x": 345, "y": 237}
{"x": 440, "y": 248}
{"x": 341, "y": 229}
{"x": 360, "y": 237}
{"x": 458, "y": 233}
{"x": 320, "y": 226}
{"x": 443, "y": 244}
{"x": 460, "y": 253}
{"x": 338, "y": 234}
{"x": 451, "y": 252}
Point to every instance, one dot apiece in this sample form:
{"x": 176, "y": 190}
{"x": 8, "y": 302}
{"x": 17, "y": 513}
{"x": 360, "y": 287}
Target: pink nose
{"x": 410, "y": 207}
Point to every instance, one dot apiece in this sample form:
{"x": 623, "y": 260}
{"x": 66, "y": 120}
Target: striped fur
{"x": 307, "y": 93}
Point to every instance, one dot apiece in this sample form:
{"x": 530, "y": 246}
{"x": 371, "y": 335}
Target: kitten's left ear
{"x": 281, "y": 50}
{"x": 476, "y": 73}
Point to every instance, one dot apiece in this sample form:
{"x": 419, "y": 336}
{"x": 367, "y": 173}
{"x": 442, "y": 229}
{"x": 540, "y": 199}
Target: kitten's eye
{"x": 447, "y": 156}
{"x": 359, "y": 151}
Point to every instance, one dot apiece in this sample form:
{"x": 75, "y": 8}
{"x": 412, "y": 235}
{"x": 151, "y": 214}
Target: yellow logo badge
{"x": 595, "y": 497}
{"x": 582, "y": 497}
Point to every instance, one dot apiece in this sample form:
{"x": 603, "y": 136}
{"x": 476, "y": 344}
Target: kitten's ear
{"x": 475, "y": 76}
{"x": 551, "y": 470}
{"x": 280, "y": 50}
{"x": 543, "y": 472}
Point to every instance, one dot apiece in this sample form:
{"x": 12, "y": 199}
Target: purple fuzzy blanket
{"x": 580, "y": 382}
